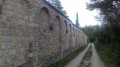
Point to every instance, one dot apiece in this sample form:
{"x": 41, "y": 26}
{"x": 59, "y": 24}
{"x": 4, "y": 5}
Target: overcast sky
{"x": 86, "y": 17}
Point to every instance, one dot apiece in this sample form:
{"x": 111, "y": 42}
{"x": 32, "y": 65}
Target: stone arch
{"x": 66, "y": 26}
{"x": 70, "y": 25}
{"x": 44, "y": 9}
{"x": 73, "y": 32}
{"x": 1, "y": 3}
{"x": 45, "y": 36}
{"x": 76, "y": 32}
{"x": 76, "y": 37}
{"x": 70, "y": 35}
{"x": 51, "y": 26}
{"x": 44, "y": 19}
{"x": 70, "y": 29}
{"x": 58, "y": 27}
{"x": 30, "y": 48}
{"x": 79, "y": 38}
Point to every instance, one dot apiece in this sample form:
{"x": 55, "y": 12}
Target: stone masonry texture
{"x": 33, "y": 33}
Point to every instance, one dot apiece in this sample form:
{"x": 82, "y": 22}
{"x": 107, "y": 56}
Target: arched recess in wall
{"x": 70, "y": 34}
{"x": 1, "y": 3}
{"x": 73, "y": 32}
{"x": 76, "y": 32}
{"x": 76, "y": 37}
{"x": 70, "y": 28}
{"x": 58, "y": 27}
{"x": 44, "y": 19}
{"x": 79, "y": 38}
{"x": 66, "y": 26}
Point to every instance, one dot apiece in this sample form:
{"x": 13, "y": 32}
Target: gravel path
{"x": 95, "y": 60}
{"x": 75, "y": 62}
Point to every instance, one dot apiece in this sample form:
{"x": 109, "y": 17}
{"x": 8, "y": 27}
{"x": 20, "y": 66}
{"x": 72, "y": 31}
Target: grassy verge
{"x": 67, "y": 59}
{"x": 109, "y": 54}
{"x": 107, "y": 61}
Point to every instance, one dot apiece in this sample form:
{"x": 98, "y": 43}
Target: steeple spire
{"x": 77, "y": 20}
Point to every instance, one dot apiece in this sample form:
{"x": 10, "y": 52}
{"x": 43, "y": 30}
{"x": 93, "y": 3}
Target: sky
{"x": 86, "y": 17}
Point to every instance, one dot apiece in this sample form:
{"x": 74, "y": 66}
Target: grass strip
{"x": 86, "y": 59}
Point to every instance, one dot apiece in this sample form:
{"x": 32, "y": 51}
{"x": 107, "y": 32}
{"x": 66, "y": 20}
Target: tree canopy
{"x": 108, "y": 35}
{"x": 110, "y": 12}
{"x": 57, "y": 4}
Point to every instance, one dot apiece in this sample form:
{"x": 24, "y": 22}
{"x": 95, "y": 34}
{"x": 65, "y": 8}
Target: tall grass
{"x": 109, "y": 53}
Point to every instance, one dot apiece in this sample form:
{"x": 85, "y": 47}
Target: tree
{"x": 110, "y": 11}
{"x": 109, "y": 36}
{"x": 77, "y": 21}
{"x": 57, "y": 4}
{"x": 90, "y": 32}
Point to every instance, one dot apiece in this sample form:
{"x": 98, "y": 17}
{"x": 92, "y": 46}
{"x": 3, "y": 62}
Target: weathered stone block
{"x": 12, "y": 52}
{"x": 3, "y": 46}
{"x": 1, "y": 61}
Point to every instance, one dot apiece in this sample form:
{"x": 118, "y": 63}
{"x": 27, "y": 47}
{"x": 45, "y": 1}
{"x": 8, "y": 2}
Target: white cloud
{"x": 86, "y": 17}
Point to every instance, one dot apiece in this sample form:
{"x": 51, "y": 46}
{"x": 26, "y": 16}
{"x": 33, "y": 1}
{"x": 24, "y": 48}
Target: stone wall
{"x": 34, "y": 33}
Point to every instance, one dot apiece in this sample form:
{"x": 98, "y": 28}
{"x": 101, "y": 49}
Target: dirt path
{"x": 95, "y": 60}
{"x": 75, "y": 62}
{"x": 87, "y": 58}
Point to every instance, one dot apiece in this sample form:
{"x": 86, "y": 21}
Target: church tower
{"x": 77, "y": 21}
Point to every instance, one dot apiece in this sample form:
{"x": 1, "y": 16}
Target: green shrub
{"x": 109, "y": 53}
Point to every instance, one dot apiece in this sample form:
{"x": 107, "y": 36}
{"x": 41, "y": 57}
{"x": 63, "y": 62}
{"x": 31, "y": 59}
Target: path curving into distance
{"x": 94, "y": 59}
{"x": 76, "y": 61}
